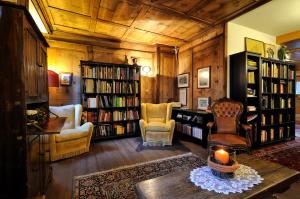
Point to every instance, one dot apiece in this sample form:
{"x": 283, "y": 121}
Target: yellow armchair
{"x": 157, "y": 127}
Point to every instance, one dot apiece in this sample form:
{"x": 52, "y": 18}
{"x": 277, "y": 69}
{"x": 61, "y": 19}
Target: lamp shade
{"x": 53, "y": 79}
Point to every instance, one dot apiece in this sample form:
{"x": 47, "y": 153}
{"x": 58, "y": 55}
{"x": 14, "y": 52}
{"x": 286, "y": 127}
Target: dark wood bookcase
{"x": 266, "y": 87}
{"x": 111, "y": 98}
{"x": 192, "y": 124}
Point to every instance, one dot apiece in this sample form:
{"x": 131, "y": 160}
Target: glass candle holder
{"x": 222, "y": 161}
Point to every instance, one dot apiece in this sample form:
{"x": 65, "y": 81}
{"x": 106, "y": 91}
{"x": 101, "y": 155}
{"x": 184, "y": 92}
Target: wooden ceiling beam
{"x": 171, "y": 11}
{"x": 96, "y": 41}
{"x": 281, "y": 39}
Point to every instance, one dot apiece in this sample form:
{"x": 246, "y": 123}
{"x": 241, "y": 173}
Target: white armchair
{"x": 73, "y": 139}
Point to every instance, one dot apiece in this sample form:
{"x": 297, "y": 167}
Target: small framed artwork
{"x": 183, "y": 96}
{"x": 254, "y": 46}
{"x": 204, "y": 77}
{"x": 66, "y": 79}
{"x": 270, "y": 51}
{"x": 203, "y": 103}
{"x": 183, "y": 80}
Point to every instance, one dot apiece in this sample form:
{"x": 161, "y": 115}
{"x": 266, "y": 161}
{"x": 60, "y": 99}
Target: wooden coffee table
{"x": 177, "y": 185}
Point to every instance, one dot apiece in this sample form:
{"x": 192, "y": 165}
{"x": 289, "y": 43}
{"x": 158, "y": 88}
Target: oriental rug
{"x": 119, "y": 183}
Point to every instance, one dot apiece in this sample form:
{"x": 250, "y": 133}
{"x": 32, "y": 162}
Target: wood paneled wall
{"x": 209, "y": 51}
{"x": 65, "y": 57}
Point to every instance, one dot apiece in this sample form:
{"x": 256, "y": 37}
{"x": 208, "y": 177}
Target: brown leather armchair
{"x": 227, "y": 115}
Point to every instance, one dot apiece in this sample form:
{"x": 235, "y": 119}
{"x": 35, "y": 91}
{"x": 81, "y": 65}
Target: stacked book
{"x": 251, "y": 108}
{"x": 252, "y": 65}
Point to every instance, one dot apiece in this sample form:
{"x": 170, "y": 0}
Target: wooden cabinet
{"x": 23, "y": 85}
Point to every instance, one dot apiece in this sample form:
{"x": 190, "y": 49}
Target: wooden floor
{"x": 107, "y": 155}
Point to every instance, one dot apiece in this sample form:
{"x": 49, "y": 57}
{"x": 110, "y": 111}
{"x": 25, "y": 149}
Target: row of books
{"x": 276, "y": 102}
{"x": 105, "y": 72}
{"x": 119, "y": 101}
{"x": 125, "y": 87}
{"x": 125, "y": 115}
{"x": 189, "y": 130}
{"x": 271, "y": 132}
{"x": 251, "y": 63}
{"x": 270, "y": 119}
{"x": 196, "y": 119}
{"x": 118, "y": 129}
{"x": 132, "y": 101}
{"x": 110, "y": 87}
{"x": 277, "y": 70}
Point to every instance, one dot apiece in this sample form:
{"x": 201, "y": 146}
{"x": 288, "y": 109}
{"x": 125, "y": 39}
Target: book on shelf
{"x": 119, "y": 129}
{"x": 91, "y": 102}
{"x": 272, "y": 103}
{"x": 274, "y": 70}
{"x": 251, "y": 118}
{"x": 197, "y": 132}
{"x": 264, "y": 136}
{"x": 274, "y": 87}
{"x": 288, "y": 132}
{"x": 132, "y": 127}
{"x": 179, "y": 116}
{"x": 197, "y": 119}
{"x": 282, "y": 103}
{"x": 251, "y": 77}
{"x": 290, "y": 100}
{"x": 119, "y": 87}
{"x": 281, "y": 132}
{"x": 251, "y": 108}
{"x": 283, "y": 71}
{"x": 104, "y": 101}
{"x": 119, "y": 73}
{"x": 280, "y": 118}
{"x": 119, "y": 101}
{"x": 187, "y": 129}
{"x": 132, "y": 115}
{"x": 265, "y": 102}
{"x": 103, "y": 86}
{"x": 89, "y": 86}
{"x": 87, "y": 72}
{"x": 271, "y": 119}
{"x": 272, "y": 134}
{"x": 186, "y": 117}
{"x": 103, "y": 130}
{"x": 91, "y": 116}
{"x": 281, "y": 88}
{"x": 104, "y": 116}
{"x": 132, "y": 101}
{"x": 132, "y": 74}
{"x": 263, "y": 119}
{"x": 290, "y": 87}
{"x": 119, "y": 115}
{"x": 265, "y": 69}
{"x": 178, "y": 126}
{"x": 264, "y": 86}
{"x": 291, "y": 74}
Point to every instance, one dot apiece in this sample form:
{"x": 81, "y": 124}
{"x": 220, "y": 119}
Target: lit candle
{"x": 222, "y": 156}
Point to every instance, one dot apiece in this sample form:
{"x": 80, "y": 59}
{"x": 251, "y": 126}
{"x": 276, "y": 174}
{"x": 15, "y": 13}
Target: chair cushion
{"x": 70, "y": 134}
{"x": 228, "y": 139}
{"x": 65, "y": 111}
{"x": 157, "y": 126}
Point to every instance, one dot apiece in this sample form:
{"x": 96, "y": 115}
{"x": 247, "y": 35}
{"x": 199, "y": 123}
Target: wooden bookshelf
{"x": 192, "y": 124}
{"x": 271, "y": 109}
{"x": 111, "y": 97}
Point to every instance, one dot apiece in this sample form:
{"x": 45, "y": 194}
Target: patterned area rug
{"x": 119, "y": 183}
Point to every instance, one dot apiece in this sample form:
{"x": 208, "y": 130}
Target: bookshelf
{"x": 111, "y": 97}
{"x": 192, "y": 124}
{"x": 266, "y": 87}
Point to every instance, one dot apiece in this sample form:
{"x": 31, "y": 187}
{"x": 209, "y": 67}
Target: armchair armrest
{"x": 248, "y": 130}
{"x": 143, "y": 125}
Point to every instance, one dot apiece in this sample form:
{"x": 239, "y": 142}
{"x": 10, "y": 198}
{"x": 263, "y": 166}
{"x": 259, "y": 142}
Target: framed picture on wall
{"x": 203, "y": 103}
{"x": 204, "y": 77}
{"x": 183, "y": 80}
{"x": 66, "y": 79}
{"x": 183, "y": 96}
{"x": 255, "y": 46}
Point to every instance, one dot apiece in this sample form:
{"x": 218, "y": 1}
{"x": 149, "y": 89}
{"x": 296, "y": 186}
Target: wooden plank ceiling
{"x": 169, "y": 22}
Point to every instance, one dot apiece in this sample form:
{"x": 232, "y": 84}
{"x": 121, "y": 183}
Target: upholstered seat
{"x": 227, "y": 114}
{"x": 73, "y": 139}
{"x": 156, "y": 124}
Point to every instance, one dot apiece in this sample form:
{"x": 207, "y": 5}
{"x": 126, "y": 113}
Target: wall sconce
{"x": 53, "y": 79}
{"x": 146, "y": 69}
